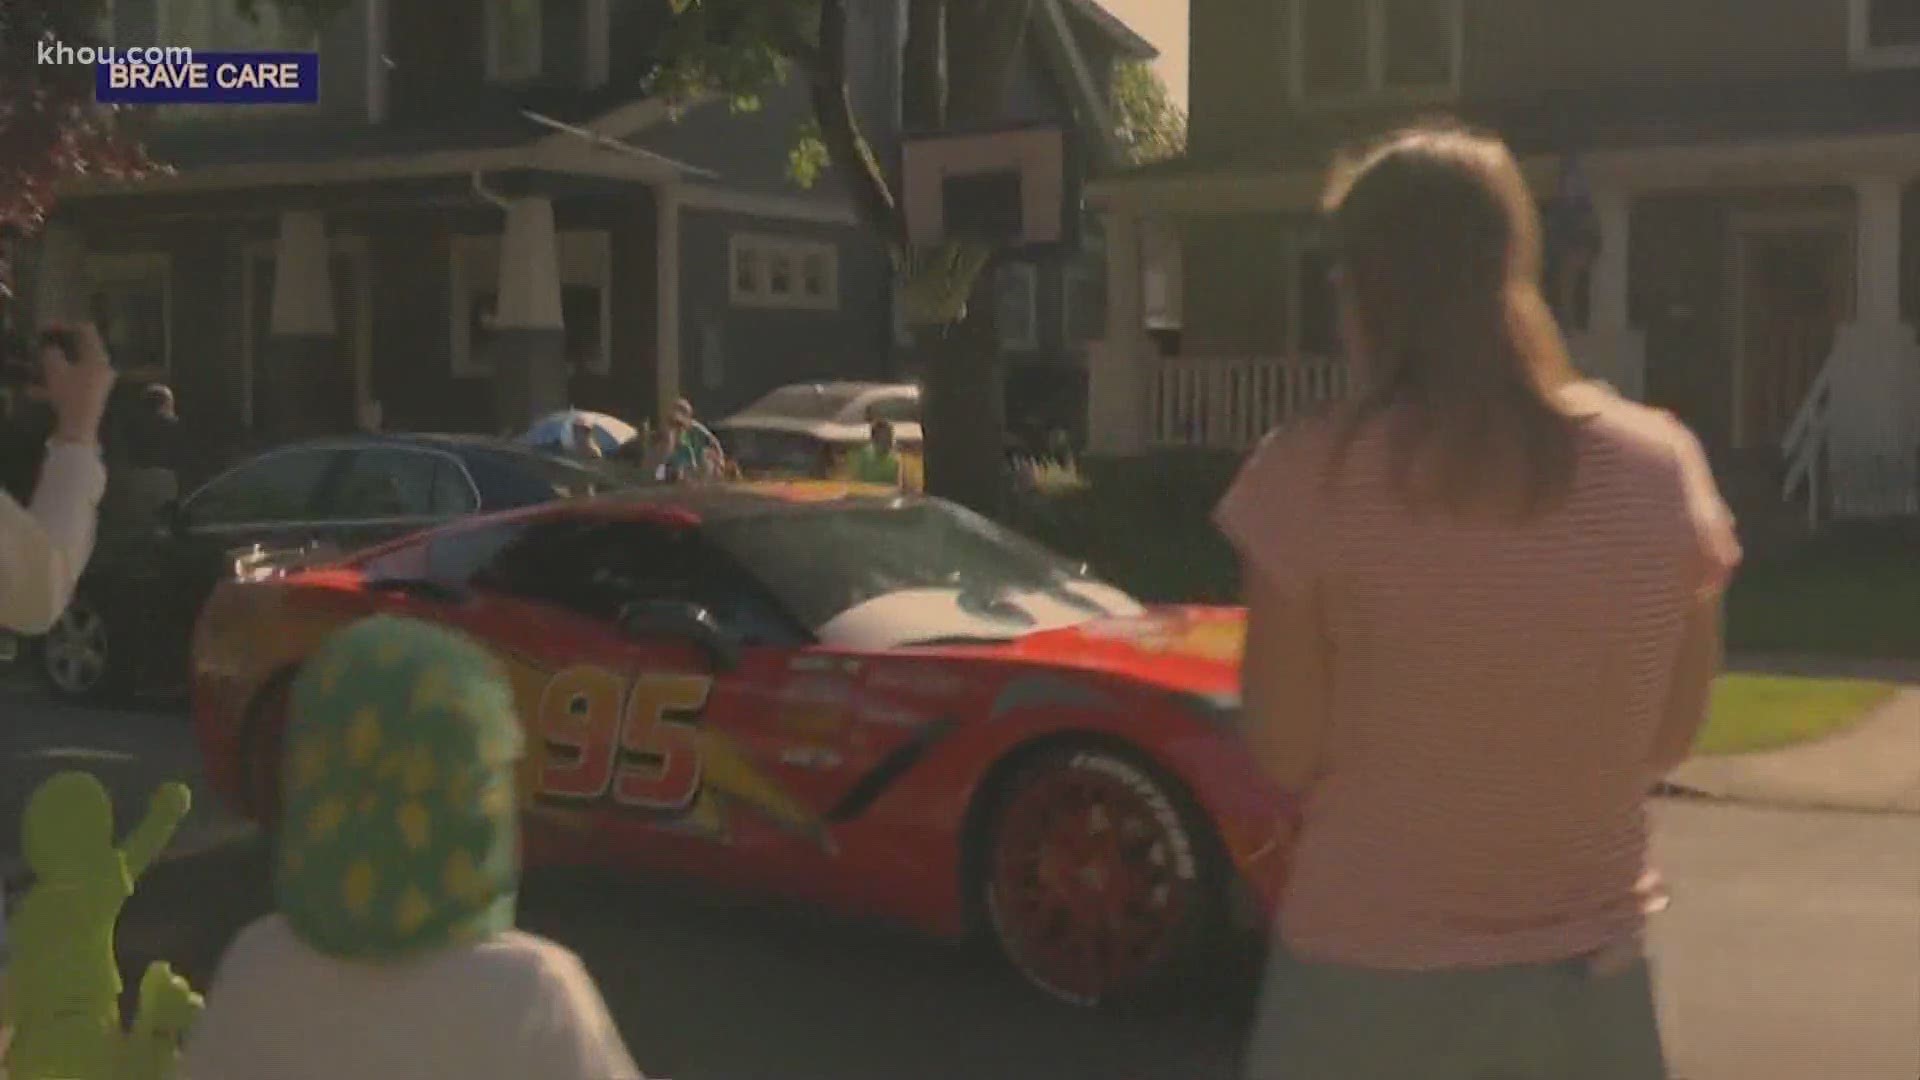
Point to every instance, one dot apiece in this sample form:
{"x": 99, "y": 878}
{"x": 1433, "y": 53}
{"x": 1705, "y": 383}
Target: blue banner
{"x": 145, "y": 77}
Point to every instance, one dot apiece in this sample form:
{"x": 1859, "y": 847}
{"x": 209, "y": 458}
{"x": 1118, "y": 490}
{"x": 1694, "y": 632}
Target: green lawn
{"x": 1766, "y": 712}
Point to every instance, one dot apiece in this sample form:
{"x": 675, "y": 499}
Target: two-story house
{"x": 1751, "y": 173}
{"x": 485, "y": 217}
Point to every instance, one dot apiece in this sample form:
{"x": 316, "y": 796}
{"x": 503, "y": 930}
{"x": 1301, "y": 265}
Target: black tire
{"x": 1162, "y": 836}
{"x": 262, "y": 743}
{"x": 85, "y": 658}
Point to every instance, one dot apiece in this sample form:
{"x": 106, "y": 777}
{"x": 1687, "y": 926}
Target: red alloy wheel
{"x": 1092, "y": 882}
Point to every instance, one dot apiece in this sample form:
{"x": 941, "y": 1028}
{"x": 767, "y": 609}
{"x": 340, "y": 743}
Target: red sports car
{"x": 884, "y": 704}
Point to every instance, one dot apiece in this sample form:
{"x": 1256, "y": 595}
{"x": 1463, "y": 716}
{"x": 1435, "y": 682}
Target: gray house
{"x": 1749, "y": 171}
{"x": 485, "y": 217}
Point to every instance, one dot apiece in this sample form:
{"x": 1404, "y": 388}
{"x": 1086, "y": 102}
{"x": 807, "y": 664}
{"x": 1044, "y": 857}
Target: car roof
{"x": 450, "y": 442}
{"x": 748, "y": 499}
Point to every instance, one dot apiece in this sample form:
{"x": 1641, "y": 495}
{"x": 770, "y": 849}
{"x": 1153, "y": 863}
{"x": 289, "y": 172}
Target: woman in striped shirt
{"x": 1484, "y": 617}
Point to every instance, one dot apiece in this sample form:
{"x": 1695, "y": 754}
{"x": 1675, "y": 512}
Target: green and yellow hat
{"x": 401, "y": 828}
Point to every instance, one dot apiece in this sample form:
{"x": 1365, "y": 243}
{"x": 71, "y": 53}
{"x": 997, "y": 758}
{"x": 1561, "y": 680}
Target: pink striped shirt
{"x": 1496, "y": 689}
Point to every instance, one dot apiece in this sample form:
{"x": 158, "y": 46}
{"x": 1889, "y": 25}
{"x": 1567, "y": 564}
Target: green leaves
{"x": 1151, "y": 126}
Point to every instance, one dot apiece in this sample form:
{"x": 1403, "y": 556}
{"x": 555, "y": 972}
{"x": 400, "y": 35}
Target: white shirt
{"x": 516, "y": 1007}
{"x": 43, "y": 549}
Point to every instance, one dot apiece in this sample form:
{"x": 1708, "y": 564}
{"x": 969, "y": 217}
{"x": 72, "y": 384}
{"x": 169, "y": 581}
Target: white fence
{"x": 1229, "y": 403}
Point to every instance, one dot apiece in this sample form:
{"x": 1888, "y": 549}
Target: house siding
{"x": 756, "y": 350}
{"x": 1238, "y": 75}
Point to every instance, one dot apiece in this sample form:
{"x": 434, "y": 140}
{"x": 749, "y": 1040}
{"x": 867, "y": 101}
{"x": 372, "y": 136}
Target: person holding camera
{"x": 45, "y": 546}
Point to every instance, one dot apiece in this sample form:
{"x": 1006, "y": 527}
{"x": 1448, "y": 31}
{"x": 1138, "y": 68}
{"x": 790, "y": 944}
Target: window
{"x": 1016, "y": 294}
{"x": 594, "y": 569}
{"x": 456, "y": 556}
{"x": 1345, "y": 49}
{"x": 514, "y": 39}
{"x": 784, "y": 272}
{"x": 130, "y": 298}
{"x": 219, "y": 26}
{"x": 380, "y": 484}
{"x": 586, "y": 279}
{"x": 277, "y": 488}
{"x": 1886, "y": 33}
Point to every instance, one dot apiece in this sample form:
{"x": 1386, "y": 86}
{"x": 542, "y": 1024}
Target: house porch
{"x": 1766, "y": 293}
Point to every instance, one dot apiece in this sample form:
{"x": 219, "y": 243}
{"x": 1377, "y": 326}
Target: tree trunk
{"x": 966, "y": 406}
{"x": 966, "y": 376}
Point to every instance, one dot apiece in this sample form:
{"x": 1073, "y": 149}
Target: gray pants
{"x": 1573, "y": 1020}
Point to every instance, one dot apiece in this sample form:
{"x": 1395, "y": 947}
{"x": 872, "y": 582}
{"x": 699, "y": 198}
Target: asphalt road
{"x": 1792, "y": 951}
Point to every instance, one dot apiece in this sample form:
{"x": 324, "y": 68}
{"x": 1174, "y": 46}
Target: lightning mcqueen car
{"x": 884, "y": 704}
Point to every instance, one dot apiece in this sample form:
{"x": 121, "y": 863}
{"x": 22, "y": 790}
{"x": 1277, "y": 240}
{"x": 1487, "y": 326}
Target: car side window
{"x": 596, "y": 569}
{"x": 278, "y": 488}
{"x": 456, "y": 557}
{"x": 380, "y": 483}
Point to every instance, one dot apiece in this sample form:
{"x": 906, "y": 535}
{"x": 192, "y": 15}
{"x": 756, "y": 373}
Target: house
{"x": 485, "y": 217}
{"x": 1751, "y": 171}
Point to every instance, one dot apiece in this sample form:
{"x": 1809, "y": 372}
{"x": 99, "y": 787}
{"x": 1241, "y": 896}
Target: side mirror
{"x": 653, "y": 620}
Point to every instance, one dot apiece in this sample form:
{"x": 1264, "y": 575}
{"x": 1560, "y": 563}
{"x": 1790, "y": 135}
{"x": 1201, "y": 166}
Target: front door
{"x": 1795, "y": 288}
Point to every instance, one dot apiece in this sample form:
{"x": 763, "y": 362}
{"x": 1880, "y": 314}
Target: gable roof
{"x": 1124, "y": 37}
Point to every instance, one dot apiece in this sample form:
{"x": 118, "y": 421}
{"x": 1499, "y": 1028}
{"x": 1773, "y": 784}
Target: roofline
{"x": 1089, "y": 101}
{"x": 555, "y": 151}
{"x": 1115, "y": 27}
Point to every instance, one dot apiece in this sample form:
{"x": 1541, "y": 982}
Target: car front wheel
{"x": 80, "y": 656}
{"x": 1102, "y": 884}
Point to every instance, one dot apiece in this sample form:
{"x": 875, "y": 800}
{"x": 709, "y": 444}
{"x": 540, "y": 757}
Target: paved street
{"x": 1792, "y": 951}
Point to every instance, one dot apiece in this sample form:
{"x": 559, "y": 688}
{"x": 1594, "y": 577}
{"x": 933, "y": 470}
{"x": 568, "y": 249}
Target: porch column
{"x": 666, "y": 329}
{"x": 57, "y": 273}
{"x": 306, "y": 389}
{"x": 1116, "y": 406}
{"x": 527, "y": 349}
{"x": 1873, "y": 417}
{"x": 1610, "y": 348}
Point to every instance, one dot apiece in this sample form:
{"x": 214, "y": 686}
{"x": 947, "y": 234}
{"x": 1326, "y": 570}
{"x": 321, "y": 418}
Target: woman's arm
{"x": 1694, "y": 670}
{"x": 1285, "y": 683}
{"x": 43, "y": 550}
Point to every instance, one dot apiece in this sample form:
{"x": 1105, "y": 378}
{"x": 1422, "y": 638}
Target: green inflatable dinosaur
{"x": 64, "y": 999}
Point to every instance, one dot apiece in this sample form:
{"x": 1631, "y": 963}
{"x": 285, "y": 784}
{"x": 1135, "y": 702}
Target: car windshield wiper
{"x": 958, "y": 639}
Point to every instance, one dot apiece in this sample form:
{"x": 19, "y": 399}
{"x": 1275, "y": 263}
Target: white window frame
{"x": 1029, "y": 276}
{"x": 1863, "y": 52}
{"x": 107, "y": 270}
{"x": 1375, "y": 87}
{"x": 497, "y": 72}
{"x": 759, "y": 292}
{"x": 166, "y": 33}
{"x": 586, "y": 259}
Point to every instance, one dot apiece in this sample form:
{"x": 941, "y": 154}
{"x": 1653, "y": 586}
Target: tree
{"x": 51, "y": 129}
{"x": 1151, "y": 124}
{"x": 960, "y": 59}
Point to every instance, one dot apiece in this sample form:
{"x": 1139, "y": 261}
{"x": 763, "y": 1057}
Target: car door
{"x": 271, "y": 501}
{"x": 383, "y": 492}
{"x": 630, "y": 756}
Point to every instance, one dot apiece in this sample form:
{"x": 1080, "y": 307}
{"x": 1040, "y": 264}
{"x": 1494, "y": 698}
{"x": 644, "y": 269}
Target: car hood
{"x": 1186, "y": 649}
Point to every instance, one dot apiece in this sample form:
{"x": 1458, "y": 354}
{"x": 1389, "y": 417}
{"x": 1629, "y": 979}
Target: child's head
{"x": 401, "y": 830}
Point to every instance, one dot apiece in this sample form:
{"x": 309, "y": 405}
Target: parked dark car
{"x": 126, "y": 632}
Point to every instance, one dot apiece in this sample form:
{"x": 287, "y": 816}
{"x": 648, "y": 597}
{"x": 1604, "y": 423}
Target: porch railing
{"x": 1805, "y": 445}
{"x": 1230, "y": 403}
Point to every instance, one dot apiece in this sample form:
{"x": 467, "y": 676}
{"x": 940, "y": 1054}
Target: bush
{"x": 1143, "y": 523}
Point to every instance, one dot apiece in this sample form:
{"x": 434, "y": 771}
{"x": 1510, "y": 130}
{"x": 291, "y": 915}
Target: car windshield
{"x": 913, "y": 572}
{"x": 805, "y": 403}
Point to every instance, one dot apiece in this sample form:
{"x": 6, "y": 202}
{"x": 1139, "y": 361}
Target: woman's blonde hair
{"x": 1439, "y": 251}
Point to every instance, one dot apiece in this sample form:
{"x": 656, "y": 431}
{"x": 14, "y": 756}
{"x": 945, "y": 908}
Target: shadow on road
{"x": 708, "y": 989}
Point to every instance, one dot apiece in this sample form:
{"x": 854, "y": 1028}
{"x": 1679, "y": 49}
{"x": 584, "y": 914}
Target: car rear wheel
{"x": 80, "y": 656}
{"x": 1101, "y": 882}
{"x": 261, "y": 752}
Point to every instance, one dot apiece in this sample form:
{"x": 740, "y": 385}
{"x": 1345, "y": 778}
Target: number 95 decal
{"x": 632, "y": 740}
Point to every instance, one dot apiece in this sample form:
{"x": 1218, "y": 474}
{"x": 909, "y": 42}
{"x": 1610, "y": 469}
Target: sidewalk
{"x": 1873, "y": 765}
